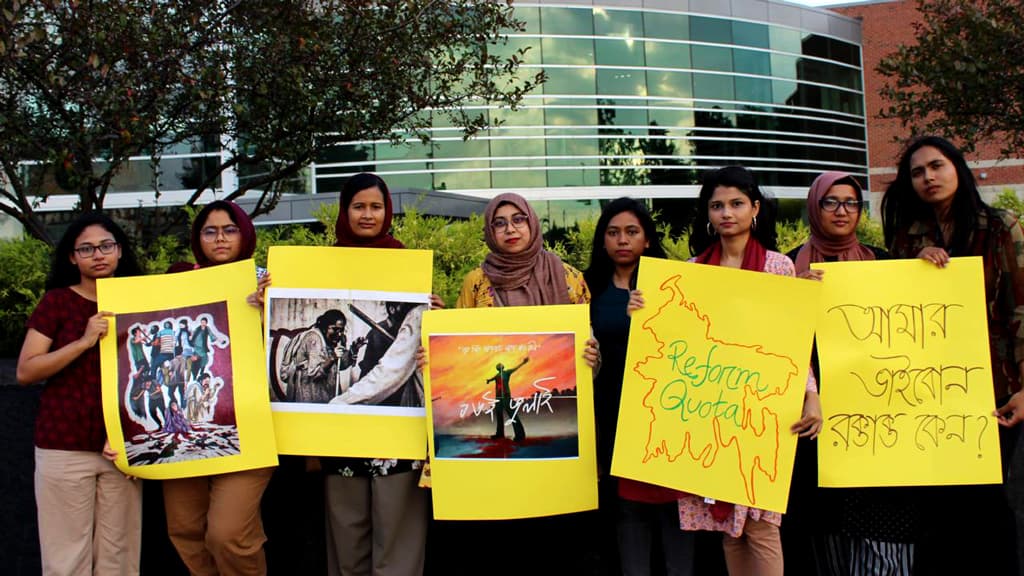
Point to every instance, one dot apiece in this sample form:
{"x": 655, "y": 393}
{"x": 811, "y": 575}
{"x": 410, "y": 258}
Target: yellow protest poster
{"x": 906, "y": 375}
{"x": 715, "y": 376}
{"x": 184, "y": 391}
{"x": 511, "y": 412}
{"x": 342, "y": 331}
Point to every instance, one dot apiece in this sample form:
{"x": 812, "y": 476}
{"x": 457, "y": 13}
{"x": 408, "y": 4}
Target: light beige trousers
{"x": 90, "y": 515}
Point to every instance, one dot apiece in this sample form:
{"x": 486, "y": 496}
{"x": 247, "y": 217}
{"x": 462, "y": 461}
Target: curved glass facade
{"x": 641, "y": 97}
{"x": 640, "y": 101}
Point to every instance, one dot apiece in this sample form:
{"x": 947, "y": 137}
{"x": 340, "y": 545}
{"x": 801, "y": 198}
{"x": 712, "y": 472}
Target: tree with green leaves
{"x": 964, "y": 78}
{"x": 268, "y": 85}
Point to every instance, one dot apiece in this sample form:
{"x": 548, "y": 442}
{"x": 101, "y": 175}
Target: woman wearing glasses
{"x": 934, "y": 211}
{"x": 90, "y": 515}
{"x": 861, "y": 529}
{"x": 214, "y": 521}
{"x": 520, "y": 272}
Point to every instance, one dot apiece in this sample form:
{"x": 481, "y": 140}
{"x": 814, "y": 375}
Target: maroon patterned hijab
{"x": 247, "y": 231}
{"x": 343, "y": 226}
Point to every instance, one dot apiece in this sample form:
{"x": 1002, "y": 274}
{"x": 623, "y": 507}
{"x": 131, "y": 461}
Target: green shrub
{"x": 24, "y": 264}
{"x": 458, "y": 247}
{"x": 157, "y": 257}
{"x": 676, "y": 247}
{"x": 792, "y": 234}
{"x": 869, "y": 231}
{"x": 1008, "y": 200}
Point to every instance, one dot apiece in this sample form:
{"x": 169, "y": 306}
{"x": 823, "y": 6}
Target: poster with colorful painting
{"x": 510, "y": 406}
{"x": 716, "y": 373}
{"x": 181, "y": 396}
{"x": 504, "y": 396}
{"x": 341, "y": 350}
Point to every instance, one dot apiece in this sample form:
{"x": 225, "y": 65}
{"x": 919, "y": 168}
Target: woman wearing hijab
{"x": 376, "y": 513}
{"x": 834, "y": 205}
{"x": 214, "y": 521}
{"x": 863, "y": 530}
{"x": 518, "y": 271}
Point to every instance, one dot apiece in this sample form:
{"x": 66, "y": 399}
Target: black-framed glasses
{"x": 87, "y": 250}
{"x": 210, "y": 233}
{"x": 518, "y": 221}
{"x": 830, "y": 204}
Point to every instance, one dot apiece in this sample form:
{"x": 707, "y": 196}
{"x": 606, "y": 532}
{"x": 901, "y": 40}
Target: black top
{"x": 611, "y": 329}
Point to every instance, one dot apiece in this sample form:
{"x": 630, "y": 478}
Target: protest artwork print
{"x": 908, "y": 391}
{"x": 504, "y": 396}
{"x": 340, "y": 352}
{"x": 175, "y": 385}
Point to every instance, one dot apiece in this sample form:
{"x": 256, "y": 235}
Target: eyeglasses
{"x": 210, "y": 233}
{"x": 87, "y": 250}
{"x": 517, "y": 221}
{"x": 831, "y": 205}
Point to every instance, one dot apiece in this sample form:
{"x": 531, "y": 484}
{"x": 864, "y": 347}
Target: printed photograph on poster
{"x": 502, "y": 396}
{"x": 176, "y": 394}
{"x": 344, "y": 351}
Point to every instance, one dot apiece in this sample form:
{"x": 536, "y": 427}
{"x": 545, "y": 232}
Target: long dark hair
{"x": 742, "y": 179}
{"x": 63, "y": 273}
{"x": 901, "y": 206}
{"x": 601, "y": 266}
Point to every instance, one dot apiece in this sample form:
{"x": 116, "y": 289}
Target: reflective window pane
{"x": 625, "y": 23}
{"x": 753, "y": 89}
{"x": 667, "y": 55}
{"x": 578, "y": 21}
{"x": 713, "y": 86}
{"x": 750, "y": 34}
{"x": 711, "y": 58}
{"x": 579, "y": 51}
{"x": 670, "y": 84}
{"x": 621, "y": 81}
{"x": 706, "y": 29}
{"x": 751, "y": 62}
{"x": 669, "y": 26}
{"x": 570, "y": 81}
{"x": 615, "y": 52}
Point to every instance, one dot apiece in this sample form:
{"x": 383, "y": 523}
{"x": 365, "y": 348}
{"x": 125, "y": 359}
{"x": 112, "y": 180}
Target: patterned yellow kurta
{"x": 477, "y": 291}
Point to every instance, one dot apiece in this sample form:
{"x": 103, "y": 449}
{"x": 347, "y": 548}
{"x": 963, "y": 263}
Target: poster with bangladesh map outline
{"x": 715, "y": 376}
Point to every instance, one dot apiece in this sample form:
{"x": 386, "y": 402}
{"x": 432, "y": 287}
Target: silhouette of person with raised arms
{"x": 503, "y": 402}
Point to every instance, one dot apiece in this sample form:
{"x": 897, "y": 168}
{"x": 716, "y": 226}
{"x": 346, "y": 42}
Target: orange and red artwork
{"x": 501, "y": 396}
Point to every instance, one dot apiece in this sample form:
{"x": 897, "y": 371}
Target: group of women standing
{"x": 377, "y": 516}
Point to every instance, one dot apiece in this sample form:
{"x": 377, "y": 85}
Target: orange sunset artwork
{"x": 504, "y": 395}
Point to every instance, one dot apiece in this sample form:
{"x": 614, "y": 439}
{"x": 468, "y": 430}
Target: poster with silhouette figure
{"x": 182, "y": 394}
{"x": 504, "y": 395}
{"x": 716, "y": 372}
{"x": 341, "y": 350}
{"x": 510, "y": 403}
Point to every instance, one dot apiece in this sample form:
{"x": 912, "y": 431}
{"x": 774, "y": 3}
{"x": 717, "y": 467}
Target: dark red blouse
{"x": 70, "y": 410}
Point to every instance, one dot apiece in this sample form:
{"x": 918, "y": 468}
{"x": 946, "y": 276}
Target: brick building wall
{"x": 886, "y": 25}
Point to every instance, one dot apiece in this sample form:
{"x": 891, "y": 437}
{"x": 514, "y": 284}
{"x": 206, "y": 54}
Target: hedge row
{"x": 457, "y": 246}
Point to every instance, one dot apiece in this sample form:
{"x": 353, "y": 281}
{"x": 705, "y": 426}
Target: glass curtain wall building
{"x": 642, "y": 96}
